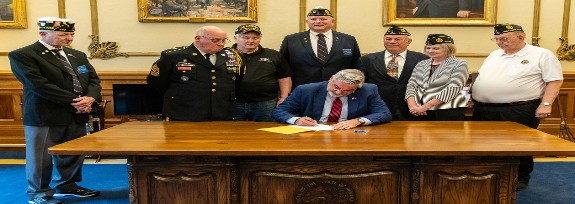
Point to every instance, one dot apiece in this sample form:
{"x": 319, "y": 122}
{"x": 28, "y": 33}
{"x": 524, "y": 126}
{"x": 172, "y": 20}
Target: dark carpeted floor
{"x": 551, "y": 183}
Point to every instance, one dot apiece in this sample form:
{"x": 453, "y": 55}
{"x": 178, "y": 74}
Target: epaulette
{"x": 176, "y": 49}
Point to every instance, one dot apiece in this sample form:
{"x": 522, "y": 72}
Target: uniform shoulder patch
{"x": 155, "y": 71}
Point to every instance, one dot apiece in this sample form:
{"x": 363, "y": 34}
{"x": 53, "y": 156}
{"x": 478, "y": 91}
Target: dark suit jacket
{"x": 194, "y": 89}
{"x": 441, "y": 8}
{"x": 309, "y": 99}
{"x": 47, "y": 86}
{"x": 297, "y": 51}
{"x": 392, "y": 91}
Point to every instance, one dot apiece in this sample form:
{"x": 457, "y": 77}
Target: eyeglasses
{"x": 319, "y": 18}
{"x": 337, "y": 88}
{"x": 502, "y": 39}
{"x": 215, "y": 40}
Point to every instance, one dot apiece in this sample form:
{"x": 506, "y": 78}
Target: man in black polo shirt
{"x": 264, "y": 79}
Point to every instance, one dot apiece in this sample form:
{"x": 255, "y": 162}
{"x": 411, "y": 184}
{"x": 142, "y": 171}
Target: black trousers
{"x": 523, "y": 114}
{"x": 452, "y": 114}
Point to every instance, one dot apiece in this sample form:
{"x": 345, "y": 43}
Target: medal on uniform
{"x": 524, "y": 61}
{"x": 184, "y": 65}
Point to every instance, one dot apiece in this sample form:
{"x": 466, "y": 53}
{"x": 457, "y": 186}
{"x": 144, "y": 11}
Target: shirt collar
{"x": 519, "y": 53}
{"x": 201, "y": 52}
{"x": 50, "y": 47}
{"x": 327, "y": 34}
{"x": 402, "y": 54}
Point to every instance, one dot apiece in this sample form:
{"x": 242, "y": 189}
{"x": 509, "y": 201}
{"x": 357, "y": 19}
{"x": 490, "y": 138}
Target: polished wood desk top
{"x": 469, "y": 138}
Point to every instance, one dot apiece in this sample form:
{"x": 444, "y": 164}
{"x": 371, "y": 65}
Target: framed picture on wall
{"x": 13, "y": 14}
{"x": 439, "y": 12}
{"x": 197, "y": 10}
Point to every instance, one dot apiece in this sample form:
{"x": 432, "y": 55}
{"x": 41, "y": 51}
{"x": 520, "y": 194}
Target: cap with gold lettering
{"x": 434, "y": 39}
{"x": 396, "y": 30}
{"x": 56, "y": 24}
{"x": 506, "y": 28}
{"x": 319, "y": 11}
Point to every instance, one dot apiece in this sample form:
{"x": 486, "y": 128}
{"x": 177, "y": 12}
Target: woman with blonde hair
{"x": 434, "y": 89}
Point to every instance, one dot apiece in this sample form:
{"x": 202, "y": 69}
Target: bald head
{"x": 210, "y": 39}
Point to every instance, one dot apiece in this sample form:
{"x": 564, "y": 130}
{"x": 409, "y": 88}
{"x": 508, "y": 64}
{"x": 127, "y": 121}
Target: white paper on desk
{"x": 316, "y": 128}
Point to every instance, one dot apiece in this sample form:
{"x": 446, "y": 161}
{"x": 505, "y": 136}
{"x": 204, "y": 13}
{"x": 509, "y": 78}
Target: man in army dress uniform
{"x": 197, "y": 80}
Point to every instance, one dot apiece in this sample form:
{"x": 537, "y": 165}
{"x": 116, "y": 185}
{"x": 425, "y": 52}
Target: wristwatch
{"x": 546, "y": 104}
{"x": 361, "y": 121}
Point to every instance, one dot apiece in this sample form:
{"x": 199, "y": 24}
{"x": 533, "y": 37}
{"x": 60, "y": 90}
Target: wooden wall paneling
{"x": 11, "y": 97}
{"x": 6, "y": 107}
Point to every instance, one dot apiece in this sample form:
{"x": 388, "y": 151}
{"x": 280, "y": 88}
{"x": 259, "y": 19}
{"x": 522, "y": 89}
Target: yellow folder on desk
{"x": 285, "y": 129}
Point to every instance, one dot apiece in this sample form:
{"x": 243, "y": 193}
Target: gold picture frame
{"x": 13, "y": 14}
{"x": 401, "y": 12}
{"x": 197, "y": 11}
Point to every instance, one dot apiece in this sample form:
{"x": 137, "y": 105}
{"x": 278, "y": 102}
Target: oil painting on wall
{"x": 197, "y": 10}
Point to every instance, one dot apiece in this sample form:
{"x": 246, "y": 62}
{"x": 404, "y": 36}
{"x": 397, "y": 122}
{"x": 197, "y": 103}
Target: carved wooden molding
{"x": 566, "y": 51}
{"x": 536, "y": 22}
{"x": 98, "y": 49}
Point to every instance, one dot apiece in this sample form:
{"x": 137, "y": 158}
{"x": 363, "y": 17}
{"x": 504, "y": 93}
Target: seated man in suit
{"x": 343, "y": 99}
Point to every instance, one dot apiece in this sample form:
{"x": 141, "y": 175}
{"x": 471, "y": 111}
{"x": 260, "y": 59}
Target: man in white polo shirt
{"x": 518, "y": 83}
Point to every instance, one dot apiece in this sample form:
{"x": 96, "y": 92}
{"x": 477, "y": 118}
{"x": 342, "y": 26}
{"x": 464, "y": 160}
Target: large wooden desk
{"x": 398, "y": 162}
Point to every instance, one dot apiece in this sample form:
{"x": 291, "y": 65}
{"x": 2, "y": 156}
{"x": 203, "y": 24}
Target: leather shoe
{"x": 45, "y": 200}
{"x": 521, "y": 185}
{"x": 78, "y": 192}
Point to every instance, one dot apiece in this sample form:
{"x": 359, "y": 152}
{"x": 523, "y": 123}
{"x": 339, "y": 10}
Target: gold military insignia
{"x": 438, "y": 40}
{"x": 155, "y": 70}
{"x": 175, "y": 49}
{"x": 524, "y": 61}
{"x": 509, "y": 27}
{"x": 234, "y": 60}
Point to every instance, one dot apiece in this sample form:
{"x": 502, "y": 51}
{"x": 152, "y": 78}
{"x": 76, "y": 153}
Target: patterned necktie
{"x": 335, "y": 110}
{"x": 75, "y": 81}
{"x": 321, "y": 48}
{"x": 392, "y": 67}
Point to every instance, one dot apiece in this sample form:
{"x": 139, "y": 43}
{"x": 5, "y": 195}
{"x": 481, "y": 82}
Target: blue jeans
{"x": 255, "y": 111}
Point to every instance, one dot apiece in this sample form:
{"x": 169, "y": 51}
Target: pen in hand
{"x": 306, "y": 121}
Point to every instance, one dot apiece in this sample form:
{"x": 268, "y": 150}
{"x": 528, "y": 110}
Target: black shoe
{"x": 46, "y": 200}
{"x": 521, "y": 185}
{"x": 78, "y": 192}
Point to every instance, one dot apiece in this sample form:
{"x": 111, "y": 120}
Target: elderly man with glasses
{"x": 344, "y": 101}
{"x": 198, "y": 81}
{"x": 517, "y": 83}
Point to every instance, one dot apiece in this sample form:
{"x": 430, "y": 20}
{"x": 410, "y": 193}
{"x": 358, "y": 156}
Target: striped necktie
{"x": 321, "y": 48}
{"x": 335, "y": 112}
{"x": 70, "y": 70}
